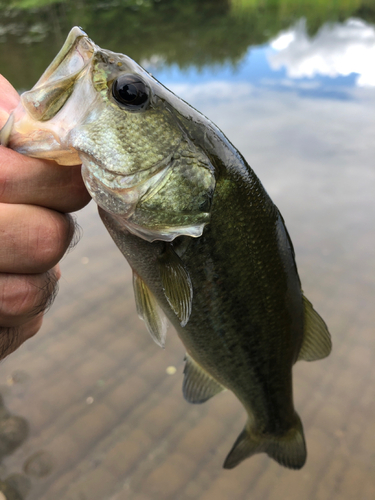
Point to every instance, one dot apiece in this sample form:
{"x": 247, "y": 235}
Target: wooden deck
{"x": 105, "y": 412}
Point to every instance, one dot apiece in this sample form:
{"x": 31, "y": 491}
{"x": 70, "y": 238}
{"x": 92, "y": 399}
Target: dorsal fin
{"x": 176, "y": 285}
{"x": 198, "y": 385}
{"x": 149, "y": 310}
{"x": 316, "y": 342}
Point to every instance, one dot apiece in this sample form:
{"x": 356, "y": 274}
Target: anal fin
{"x": 316, "y": 342}
{"x": 176, "y": 285}
{"x": 149, "y": 310}
{"x": 198, "y": 385}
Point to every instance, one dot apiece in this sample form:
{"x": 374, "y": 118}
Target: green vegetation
{"x": 189, "y": 32}
{"x": 316, "y": 12}
{"x": 30, "y": 4}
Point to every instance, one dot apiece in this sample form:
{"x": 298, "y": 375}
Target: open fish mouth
{"x": 27, "y": 130}
{"x": 76, "y": 52}
{"x": 56, "y": 84}
{"x": 101, "y": 109}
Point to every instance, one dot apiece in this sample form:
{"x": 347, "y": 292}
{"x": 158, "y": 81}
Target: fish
{"x": 209, "y": 250}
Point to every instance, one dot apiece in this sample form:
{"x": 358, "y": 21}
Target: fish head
{"x": 101, "y": 109}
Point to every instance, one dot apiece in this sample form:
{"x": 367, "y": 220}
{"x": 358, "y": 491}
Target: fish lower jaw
{"x": 114, "y": 201}
{"x": 116, "y": 181}
{"x": 120, "y": 195}
{"x": 109, "y": 178}
{"x": 112, "y": 180}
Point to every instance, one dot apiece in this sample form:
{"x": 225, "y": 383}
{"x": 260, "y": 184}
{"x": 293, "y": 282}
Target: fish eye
{"x": 131, "y": 92}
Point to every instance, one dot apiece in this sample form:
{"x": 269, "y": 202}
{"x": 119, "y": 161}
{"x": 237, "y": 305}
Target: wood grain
{"x": 97, "y": 397}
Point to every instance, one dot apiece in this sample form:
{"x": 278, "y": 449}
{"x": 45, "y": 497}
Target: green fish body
{"x": 208, "y": 248}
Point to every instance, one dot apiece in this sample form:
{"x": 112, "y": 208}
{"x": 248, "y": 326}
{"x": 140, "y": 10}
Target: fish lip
{"x": 33, "y": 132}
{"x": 70, "y": 44}
{"x": 71, "y": 63}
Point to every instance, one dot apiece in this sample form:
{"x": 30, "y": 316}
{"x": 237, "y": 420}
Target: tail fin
{"x": 288, "y": 450}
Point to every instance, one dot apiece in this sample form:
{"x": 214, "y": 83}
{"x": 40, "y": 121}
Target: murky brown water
{"x": 93, "y": 409}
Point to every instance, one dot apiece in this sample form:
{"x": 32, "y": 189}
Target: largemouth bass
{"x": 208, "y": 248}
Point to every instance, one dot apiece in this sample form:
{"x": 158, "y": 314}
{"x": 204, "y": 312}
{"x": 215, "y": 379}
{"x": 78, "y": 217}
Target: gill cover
{"x": 99, "y": 108}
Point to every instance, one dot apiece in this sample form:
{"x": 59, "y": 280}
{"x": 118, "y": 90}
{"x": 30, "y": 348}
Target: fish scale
{"x": 208, "y": 248}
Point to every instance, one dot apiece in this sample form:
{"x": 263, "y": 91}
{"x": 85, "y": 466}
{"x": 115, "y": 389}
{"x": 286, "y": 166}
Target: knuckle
{"x": 32, "y": 327}
{"x": 9, "y": 340}
{"x": 12, "y": 337}
{"x": 18, "y": 296}
{"x": 81, "y": 197}
{"x": 5, "y": 174}
{"x": 76, "y": 194}
{"x": 3, "y": 182}
{"x": 51, "y": 240}
{"x": 25, "y": 296}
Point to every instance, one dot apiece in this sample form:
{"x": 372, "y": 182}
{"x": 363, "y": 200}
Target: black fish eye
{"x": 131, "y": 92}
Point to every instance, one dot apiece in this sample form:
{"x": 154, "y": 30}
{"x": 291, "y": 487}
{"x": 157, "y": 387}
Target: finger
{"x": 41, "y": 182}
{"x": 26, "y": 296}
{"x": 9, "y": 99}
{"x": 11, "y": 338}
{"x": 33, "y": 239}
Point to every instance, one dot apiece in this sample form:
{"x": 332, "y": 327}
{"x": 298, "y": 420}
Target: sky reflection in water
{"x": 299, "y": 109}
{"x": 335, "y": 59}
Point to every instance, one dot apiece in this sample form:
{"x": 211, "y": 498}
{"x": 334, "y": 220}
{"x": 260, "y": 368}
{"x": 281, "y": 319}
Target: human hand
{"x": 35, "y": 232}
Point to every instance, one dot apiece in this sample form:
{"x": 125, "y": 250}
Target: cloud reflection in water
{"x": 306, "y": 130}
{"x": 336, "y": 50}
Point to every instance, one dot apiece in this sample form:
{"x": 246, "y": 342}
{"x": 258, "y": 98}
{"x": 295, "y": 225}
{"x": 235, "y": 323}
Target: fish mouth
{"x": 65, "y": 63}
{"x": 41, "y": 122}
{"x": 56, "y": 84}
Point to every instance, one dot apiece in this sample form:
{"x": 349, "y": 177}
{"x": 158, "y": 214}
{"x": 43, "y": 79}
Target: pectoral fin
{"x": 198, "y": 385}
{"x": 317, "y": 340}
{"x": 176, "y": 285}
{"x": 149, "y": 310}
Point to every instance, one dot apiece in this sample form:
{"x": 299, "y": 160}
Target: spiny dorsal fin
{"x": 316, "y": 342}
{"x": 198, "y": 385}
{"x": 176, "y": 284}
{"x": 149, "y": 310}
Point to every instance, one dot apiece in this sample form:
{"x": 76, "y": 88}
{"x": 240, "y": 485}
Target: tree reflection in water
{"x": 189, "y": 33}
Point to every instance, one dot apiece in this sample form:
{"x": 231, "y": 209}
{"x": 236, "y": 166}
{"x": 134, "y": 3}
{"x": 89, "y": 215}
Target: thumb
{"x": 9, "y": 99}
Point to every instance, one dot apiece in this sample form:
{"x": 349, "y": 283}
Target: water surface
{"x": 92, "y": 408}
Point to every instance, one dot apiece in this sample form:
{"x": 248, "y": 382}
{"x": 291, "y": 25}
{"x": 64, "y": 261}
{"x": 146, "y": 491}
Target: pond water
{"x": 92, "y": 408}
